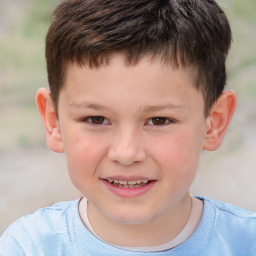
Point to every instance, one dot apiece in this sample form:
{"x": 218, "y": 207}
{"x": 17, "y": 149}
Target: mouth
{"x": 129, "y": 187}
{"x": 128, "y": 184}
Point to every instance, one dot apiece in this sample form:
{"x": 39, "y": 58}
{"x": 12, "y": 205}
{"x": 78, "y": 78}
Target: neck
{"x": 156, "y": 231}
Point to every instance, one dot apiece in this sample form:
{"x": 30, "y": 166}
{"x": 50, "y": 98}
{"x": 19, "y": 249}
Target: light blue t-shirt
{"x": 58, "y": 231}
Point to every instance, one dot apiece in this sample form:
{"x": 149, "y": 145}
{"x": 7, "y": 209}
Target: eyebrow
{"x": 162, "y": 107}
{"x": 89, "y": 106}
{"x": 153, "y": 108}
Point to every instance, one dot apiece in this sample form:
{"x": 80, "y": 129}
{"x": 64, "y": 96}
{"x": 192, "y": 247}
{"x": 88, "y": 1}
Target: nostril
{"x": 125, "y": 162}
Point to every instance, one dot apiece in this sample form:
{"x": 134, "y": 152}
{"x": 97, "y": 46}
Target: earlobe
{"x": 218, "y": 120}
{"x": 50, "y": 119}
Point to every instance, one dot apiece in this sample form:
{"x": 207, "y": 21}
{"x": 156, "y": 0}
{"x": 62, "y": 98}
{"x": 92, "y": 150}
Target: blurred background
{"x": 31, "y": 176}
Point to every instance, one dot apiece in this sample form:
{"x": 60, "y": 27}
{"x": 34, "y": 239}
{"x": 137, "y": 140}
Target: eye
{"x": 97, "y": 120}
{"x": 159, "y": 121}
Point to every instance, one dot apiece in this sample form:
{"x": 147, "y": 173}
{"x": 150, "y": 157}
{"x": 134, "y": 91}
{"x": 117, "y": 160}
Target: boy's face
{"x": 144, "y": 124}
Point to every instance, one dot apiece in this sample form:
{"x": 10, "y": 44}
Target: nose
{"x": 126, "y": 148}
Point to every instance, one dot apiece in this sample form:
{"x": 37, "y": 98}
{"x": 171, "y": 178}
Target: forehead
{"x": 145, "y": 85}
{"x": 119, "y": 62}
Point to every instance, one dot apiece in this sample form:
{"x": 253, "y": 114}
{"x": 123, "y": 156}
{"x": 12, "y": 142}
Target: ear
{"x": 218, "y": 121}
{"x": 50, "y": 119}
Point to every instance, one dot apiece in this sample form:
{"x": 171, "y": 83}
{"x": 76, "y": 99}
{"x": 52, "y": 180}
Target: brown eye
{"x": 159, "y": 120}
{"x": 96, "y": 120}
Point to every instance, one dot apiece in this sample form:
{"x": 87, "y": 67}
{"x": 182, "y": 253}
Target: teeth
{"x": 130, "y": 184}
{"x": 123, "y": 182}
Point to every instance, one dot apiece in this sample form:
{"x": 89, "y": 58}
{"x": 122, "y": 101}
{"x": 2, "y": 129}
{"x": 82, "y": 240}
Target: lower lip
{"x": 129, "y": 192}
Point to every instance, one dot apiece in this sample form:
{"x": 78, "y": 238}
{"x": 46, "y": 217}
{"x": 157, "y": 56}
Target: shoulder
{"x": 44, "y": 227}
{"x": 233, "y": 227}
{"x": 231, "y": 211}
{"x": 45, "y": 219}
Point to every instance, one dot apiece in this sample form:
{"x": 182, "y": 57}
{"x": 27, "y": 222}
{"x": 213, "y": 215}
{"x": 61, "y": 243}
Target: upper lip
{"x": 126, "y": 178}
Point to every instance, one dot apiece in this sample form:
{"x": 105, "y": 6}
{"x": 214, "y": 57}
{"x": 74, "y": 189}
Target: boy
{"x": 136, "y": 93}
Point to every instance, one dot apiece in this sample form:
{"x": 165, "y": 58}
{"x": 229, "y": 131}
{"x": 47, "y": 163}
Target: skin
{"x": 128, "y": 142}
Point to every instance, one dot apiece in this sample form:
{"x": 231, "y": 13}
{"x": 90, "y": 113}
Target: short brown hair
{"x": 180, "y": 32}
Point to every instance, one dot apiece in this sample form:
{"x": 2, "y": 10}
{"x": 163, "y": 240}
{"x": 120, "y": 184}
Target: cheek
{"x": 84, "y": 154}
{"x": 178, "y": 153}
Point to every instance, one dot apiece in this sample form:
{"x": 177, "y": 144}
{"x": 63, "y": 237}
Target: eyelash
{"x": 150, "y": 121}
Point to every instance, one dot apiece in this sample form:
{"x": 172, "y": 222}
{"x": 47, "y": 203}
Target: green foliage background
{"x": 23, "y": 25}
